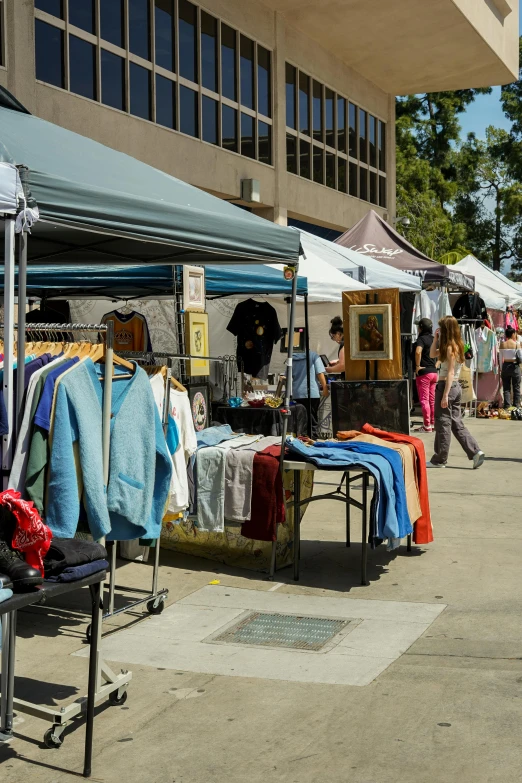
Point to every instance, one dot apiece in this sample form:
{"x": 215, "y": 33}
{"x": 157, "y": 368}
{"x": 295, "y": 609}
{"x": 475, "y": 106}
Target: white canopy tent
{"x": 378, "y": 275}
{"x": 496, "y": 290}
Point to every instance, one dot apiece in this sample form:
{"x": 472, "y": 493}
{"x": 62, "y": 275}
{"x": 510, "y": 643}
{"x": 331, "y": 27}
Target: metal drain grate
{"x": 283, "y": 630}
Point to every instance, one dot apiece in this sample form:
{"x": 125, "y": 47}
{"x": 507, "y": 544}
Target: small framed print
{"x": 199, "y": 398}
{"x": 193, "y": 288}
{"x": 196, "y": 341}
{"x": 371, "y": 332}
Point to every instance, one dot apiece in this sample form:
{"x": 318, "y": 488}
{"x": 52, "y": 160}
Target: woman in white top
{"x": 449, "y": 348}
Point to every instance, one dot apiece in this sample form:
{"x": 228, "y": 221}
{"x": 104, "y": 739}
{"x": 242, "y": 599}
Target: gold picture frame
{"x": 371, "y": 332}
{"x": 196, "y": 341}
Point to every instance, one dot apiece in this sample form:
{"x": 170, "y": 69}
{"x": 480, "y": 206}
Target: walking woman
{"x": 426, "y": 376}
{"x": 510, "y": 353}
{"x": 449, "y": 348}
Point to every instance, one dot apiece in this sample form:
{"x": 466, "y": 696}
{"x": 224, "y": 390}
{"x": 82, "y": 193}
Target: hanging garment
{"x": 256, "y": 327}
{"x": 179, "y": 486}
{"x": 140, "y": 465}
{"x": 511, "y": 319}
{"x": 131, "y": 332}
{"x": 239, "y": 470}
{"x": 470, "y": 307}
{"x": 210, "y": 477}
{"x": 30, "y": 535}
{"x": 423, "y": 532}
{"x": 487, "y": 350}
{"x": 268, "y": 505}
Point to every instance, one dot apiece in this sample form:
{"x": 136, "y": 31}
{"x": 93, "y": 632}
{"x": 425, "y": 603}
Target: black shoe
{"x": 14, "y": 566}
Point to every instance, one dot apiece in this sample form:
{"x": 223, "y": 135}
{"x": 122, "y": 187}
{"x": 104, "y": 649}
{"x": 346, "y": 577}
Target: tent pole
{"x": 307, "y": 344}
{"x": 289, "y": 361}
{"x": 22, "y": 296}
{"x": 9, "y": 288}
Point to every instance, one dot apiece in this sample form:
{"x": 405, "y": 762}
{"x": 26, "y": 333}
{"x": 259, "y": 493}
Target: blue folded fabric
{"x": 74, "y": 573}
{"x": 213, "y": 436}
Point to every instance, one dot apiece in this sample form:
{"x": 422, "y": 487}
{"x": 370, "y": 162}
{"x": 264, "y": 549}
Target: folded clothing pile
{"x": 71, "y": 559}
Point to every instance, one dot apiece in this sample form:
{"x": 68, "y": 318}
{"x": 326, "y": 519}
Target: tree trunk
{"x": 498, "y": 226}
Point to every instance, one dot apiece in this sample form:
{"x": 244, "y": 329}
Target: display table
{"x": 58, "y": 717}
{"x": 261, "y": 421}
{"x": 348, "y": 478}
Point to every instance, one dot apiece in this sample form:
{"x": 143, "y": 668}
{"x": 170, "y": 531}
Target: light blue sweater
{"x": 132, "y": 505}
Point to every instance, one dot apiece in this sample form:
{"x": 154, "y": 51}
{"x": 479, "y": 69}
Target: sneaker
{"x": 478, "y": 459}
{"x": 13, "y": 565}
{"x": 434, "y": 465}
{"x": 423, "y": 429}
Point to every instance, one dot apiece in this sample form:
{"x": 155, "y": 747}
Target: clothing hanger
{"x": 126, "y": 309}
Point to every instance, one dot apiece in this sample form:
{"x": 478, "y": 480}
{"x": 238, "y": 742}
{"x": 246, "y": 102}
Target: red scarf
{"x": 31, "y": 536}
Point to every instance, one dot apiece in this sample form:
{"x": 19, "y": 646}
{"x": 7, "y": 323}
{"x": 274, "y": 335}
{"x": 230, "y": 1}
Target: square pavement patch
{"x": 355, "y": 641}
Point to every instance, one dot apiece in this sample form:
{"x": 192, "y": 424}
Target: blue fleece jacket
{"x": 132, "y": 505}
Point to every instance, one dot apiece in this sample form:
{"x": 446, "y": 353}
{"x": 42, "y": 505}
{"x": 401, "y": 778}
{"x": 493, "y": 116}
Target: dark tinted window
{"x": 81, "y": 14}
{"x": 263, "y": 82}
{"x": 304, "y": 159}
{"x": 139, "y": 28}
{"x": 247, "y": 72}
{"x": 341, "y": 174}
{"x": 291, "y": 153}
{"x": 111, "y": 21}
{"x": 209, "y": 120}
{"x": 382, "y": 146}
{"x": 165, "y": 102}
{"x": 304, "y": 104}
{"x": 228, "y": 62}
{"x": 330, "y": 170}
{"x": 209, "y": 76}
{"x": 113, "y": 80}
{"x": 352, "y": 180}
{"x": 373, "y": 187}
{"x": 54, "y": 7}
{"x": 341, "y": 124}
{"x": 188, "y": 111}
{"x": 264, "y": 142}
{"x": 164, "y": 33}
{"x": 373, "y": 141}
{"x": 188, "y": 52}
{"x": 352, "y": 119}
{"x": 363, "y": 137}
{"x": 49, "y": 53}
{"x": 329, "y": 117}
{"x": 229, "y": 128}
{"x": 248, "y": 142}
{"x": 82, "y": 67}
{"x": 318, "y": 164}
{"x": 290, "y": 95}
{"x": 318, "y": 111}
{"x": 363, "y": 184}
{"x": 382, "y": 191}
{"x": 140, "y": 104}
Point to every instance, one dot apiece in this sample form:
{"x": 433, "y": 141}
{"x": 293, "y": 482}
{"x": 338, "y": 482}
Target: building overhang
{"x": 412, "y": 46}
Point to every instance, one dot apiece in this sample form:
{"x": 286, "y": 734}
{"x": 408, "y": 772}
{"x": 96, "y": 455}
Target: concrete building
{"x": 297, "y": 96}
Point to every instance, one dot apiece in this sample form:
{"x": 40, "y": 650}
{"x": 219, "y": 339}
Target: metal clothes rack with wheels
{"x": 104, "y": 683}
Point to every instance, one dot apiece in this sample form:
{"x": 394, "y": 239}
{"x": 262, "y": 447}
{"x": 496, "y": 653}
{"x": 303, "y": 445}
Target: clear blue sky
{"x": 486, "y": 110}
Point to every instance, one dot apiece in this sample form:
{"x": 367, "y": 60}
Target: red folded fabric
{"x": 267, "y": 507}
{"x": 31, "y": 536}
{"x": 422, "y": 530}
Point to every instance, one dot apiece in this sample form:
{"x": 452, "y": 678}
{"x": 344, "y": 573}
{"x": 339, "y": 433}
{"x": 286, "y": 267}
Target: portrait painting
{"x": 371, "y": 332}
{"x": 193, "y": 288}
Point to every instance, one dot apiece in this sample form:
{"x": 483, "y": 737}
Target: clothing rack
{"x": 105, "y": 683}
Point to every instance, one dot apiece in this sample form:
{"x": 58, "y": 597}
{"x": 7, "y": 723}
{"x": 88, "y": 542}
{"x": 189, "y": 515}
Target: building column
{"x": 274, "y": 214}
{"x": 279, "y": 126}
{"x": 391, "y": 180}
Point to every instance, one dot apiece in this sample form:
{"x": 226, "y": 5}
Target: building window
{"x": 333, "y": 141}
{"x": 49, "y": 54}
{"x": 166, "y": 61}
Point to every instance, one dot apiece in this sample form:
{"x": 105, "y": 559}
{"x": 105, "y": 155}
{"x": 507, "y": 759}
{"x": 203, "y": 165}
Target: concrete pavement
{"x": 448, "y": 709}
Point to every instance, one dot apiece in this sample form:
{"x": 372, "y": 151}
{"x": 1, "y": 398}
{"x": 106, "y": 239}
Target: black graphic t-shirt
{"x": 256, "y": 327}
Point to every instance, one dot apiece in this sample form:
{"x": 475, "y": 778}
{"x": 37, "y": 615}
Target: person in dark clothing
{"x": 511, "y": 356}
{"x": 426, "y": 375}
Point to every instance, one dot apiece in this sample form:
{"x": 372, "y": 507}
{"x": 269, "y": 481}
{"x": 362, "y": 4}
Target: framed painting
{"x": 196, "y": 343}
{"x": 193, "y": 288}
{"x": 200, "y": 405}
{"x": 371, "y": 332}
{"x": 383, "y": 404}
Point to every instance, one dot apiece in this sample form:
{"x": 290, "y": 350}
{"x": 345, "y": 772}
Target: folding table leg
{"x": 408, "y": 546}
{"x": 364, "y": 546}
{"x": 93, "y": 676}
{"x": 297, "y": 522}
{"x": 348, "y": 510}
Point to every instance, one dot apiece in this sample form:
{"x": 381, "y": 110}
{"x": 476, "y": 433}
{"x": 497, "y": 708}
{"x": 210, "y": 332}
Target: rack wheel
{"x": 154, "y": 608}
{"x": 88, "y": 634}
{"x": 118, "y": 702}
{"x": 51, "y": 740}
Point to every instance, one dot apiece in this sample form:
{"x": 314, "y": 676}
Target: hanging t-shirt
{"x": 256, "y": 327}
{"x": 131, "y": 332}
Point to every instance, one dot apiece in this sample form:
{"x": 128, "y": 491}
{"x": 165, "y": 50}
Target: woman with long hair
{"x": 337, "y": 335}
{"x": 449, "y": 349}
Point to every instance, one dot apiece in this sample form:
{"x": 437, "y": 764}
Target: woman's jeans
{"x": 511, "y": 377}
{"x": 449, "y": 420}
{"x": 426, "y": 390}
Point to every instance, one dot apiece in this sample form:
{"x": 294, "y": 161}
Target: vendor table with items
{"x": 342, "y": 493}
{"x": 58, "y": 717}
{"x": 261, "y": 421}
